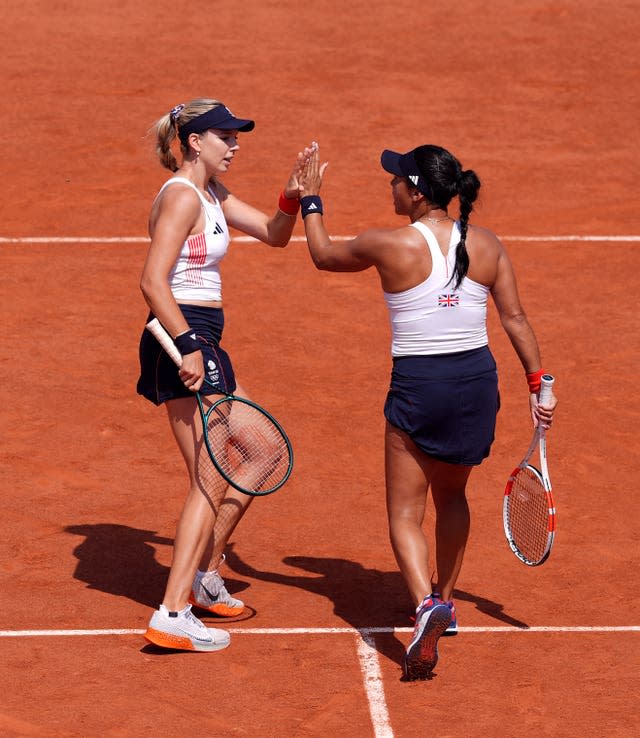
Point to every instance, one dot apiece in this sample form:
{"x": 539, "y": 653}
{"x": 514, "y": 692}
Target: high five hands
{"x": 311, "y": 178}
{"x": 294, "y": 187}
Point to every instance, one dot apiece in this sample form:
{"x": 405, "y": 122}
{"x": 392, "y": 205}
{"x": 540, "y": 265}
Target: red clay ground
{"x": 540, "y": 100}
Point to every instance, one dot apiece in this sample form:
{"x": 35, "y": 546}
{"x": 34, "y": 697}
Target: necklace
{"x": 436, "y": 220}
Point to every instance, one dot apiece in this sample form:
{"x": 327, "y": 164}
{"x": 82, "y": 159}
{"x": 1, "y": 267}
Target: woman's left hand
{"x": 293, "y": 188}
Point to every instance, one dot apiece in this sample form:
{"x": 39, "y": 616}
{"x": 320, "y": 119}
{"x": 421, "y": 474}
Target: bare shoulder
{"x": 178, "y": 202}
{"x": 400, "y": 256}
{"x": 483, "y": 240}
{"x": 178, "y": 195}
{"x": 381, "y": 238}
{"x": 485, "y": 254}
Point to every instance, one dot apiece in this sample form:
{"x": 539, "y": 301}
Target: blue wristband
{"x": 186, "y": 343}
{"x": 310, "y": 204}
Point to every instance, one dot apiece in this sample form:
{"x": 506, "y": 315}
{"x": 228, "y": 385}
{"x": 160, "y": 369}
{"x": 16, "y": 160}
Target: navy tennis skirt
{"x": 446, "y": 403}
{"x": 159, "y": 380}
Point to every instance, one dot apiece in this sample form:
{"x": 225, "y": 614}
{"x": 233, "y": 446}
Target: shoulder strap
{"x": 453, "y": 242}
{"x": 437, "y": 257}
{"x": 455, "y": 234}
{"x": 189, "y": 183}
{"x": 185, "y": 181}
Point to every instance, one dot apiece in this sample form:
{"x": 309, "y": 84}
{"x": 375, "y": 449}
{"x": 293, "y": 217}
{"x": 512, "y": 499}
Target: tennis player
{"x": 181, "y": 283}
{"x": 436, "y": 273}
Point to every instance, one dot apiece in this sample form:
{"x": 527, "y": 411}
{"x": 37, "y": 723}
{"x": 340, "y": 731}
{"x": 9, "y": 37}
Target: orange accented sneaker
{"x": 209, "y": 593}
{"x": 183, "y": 631}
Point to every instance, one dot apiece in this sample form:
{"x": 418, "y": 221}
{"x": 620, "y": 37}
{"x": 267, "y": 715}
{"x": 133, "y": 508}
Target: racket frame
{"x": 164, "y": 339}
{"x": 542, "y": 474}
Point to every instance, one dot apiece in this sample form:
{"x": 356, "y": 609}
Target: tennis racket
{"x": 528, "y": 511}
{"x": 247, "y": 446}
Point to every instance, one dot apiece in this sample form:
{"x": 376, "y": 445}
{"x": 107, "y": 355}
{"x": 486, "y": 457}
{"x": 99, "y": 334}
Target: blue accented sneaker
{"x": 433, "y": 617}
{"x": 453, "y": 625}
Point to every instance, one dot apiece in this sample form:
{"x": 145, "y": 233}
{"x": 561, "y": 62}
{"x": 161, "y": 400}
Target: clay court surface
{"x": 541, "y": 100}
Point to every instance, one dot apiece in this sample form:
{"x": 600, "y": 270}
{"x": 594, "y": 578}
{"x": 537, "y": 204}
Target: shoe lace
{"x": 193, "y": 620}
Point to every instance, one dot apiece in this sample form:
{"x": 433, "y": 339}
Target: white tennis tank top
{"x": 432, "y": 317}
{"x": 196, "y": 273}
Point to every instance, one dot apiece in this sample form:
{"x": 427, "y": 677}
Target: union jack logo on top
{"x": 449, "y": 300}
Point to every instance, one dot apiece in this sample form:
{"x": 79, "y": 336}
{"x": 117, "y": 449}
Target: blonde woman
{"x": 181, "y": 282}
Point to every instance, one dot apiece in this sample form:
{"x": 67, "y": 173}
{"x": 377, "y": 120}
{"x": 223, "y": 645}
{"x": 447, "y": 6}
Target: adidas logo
{"x": 218, "y": 228}
{"x": 414, "y": 179}
{"x": 313, "y": 206}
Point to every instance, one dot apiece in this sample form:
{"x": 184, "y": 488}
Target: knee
{"x": 450, "y": 500}
{"x": 402, "y": 516}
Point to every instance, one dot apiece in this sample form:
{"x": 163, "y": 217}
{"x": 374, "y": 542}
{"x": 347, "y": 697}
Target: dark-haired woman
{"x": 437, "y": 274}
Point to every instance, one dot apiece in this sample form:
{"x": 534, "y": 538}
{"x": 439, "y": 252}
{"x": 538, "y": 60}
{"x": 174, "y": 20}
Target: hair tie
{"x": 175, "y": 112}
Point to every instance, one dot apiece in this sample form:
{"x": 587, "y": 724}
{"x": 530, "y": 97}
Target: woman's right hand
{"x": 311, "y": 180}
{"x": 542, "y": 414}
{"x": 192, "y": 371}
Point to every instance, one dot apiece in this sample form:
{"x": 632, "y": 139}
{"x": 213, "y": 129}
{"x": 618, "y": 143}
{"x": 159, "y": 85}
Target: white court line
{"x": 331, "y": 631}
{"x": 374, "y": 686}
{"x": 299, "y": 239}
{"x": 367, "y": 652}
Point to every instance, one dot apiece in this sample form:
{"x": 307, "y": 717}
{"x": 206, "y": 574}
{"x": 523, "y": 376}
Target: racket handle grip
{"x": 164, "y": 339}
{"x": 546, "y": 384}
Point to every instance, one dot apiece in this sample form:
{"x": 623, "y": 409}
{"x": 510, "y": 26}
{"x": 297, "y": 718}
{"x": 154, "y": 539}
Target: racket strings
{"x": 528, "y": 515}
{"x": 247, "y": 445}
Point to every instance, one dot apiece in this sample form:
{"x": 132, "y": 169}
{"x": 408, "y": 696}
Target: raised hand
{"x": 293, "y": 188}
{"x": 311, "y": 179}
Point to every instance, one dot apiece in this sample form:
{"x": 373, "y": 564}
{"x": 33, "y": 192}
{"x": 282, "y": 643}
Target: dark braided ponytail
{"x": 468, "y": 186}
{"x": 446, "y": 178}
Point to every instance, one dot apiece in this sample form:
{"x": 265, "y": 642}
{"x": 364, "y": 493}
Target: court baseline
{"x": 300, "y": 239}
{"x": 365, "y": 645}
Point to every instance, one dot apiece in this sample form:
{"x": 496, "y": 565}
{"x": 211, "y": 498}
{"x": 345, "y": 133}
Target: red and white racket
{"x": 528, "y": 512}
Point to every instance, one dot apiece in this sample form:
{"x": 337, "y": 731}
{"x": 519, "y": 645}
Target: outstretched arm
{"x": 353, "y": 255}
{"x": 274, "y": 230}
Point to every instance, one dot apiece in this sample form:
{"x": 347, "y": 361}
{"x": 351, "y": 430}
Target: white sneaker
{"x": 209, "y": 593}
{"x": 182, "y": 630}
